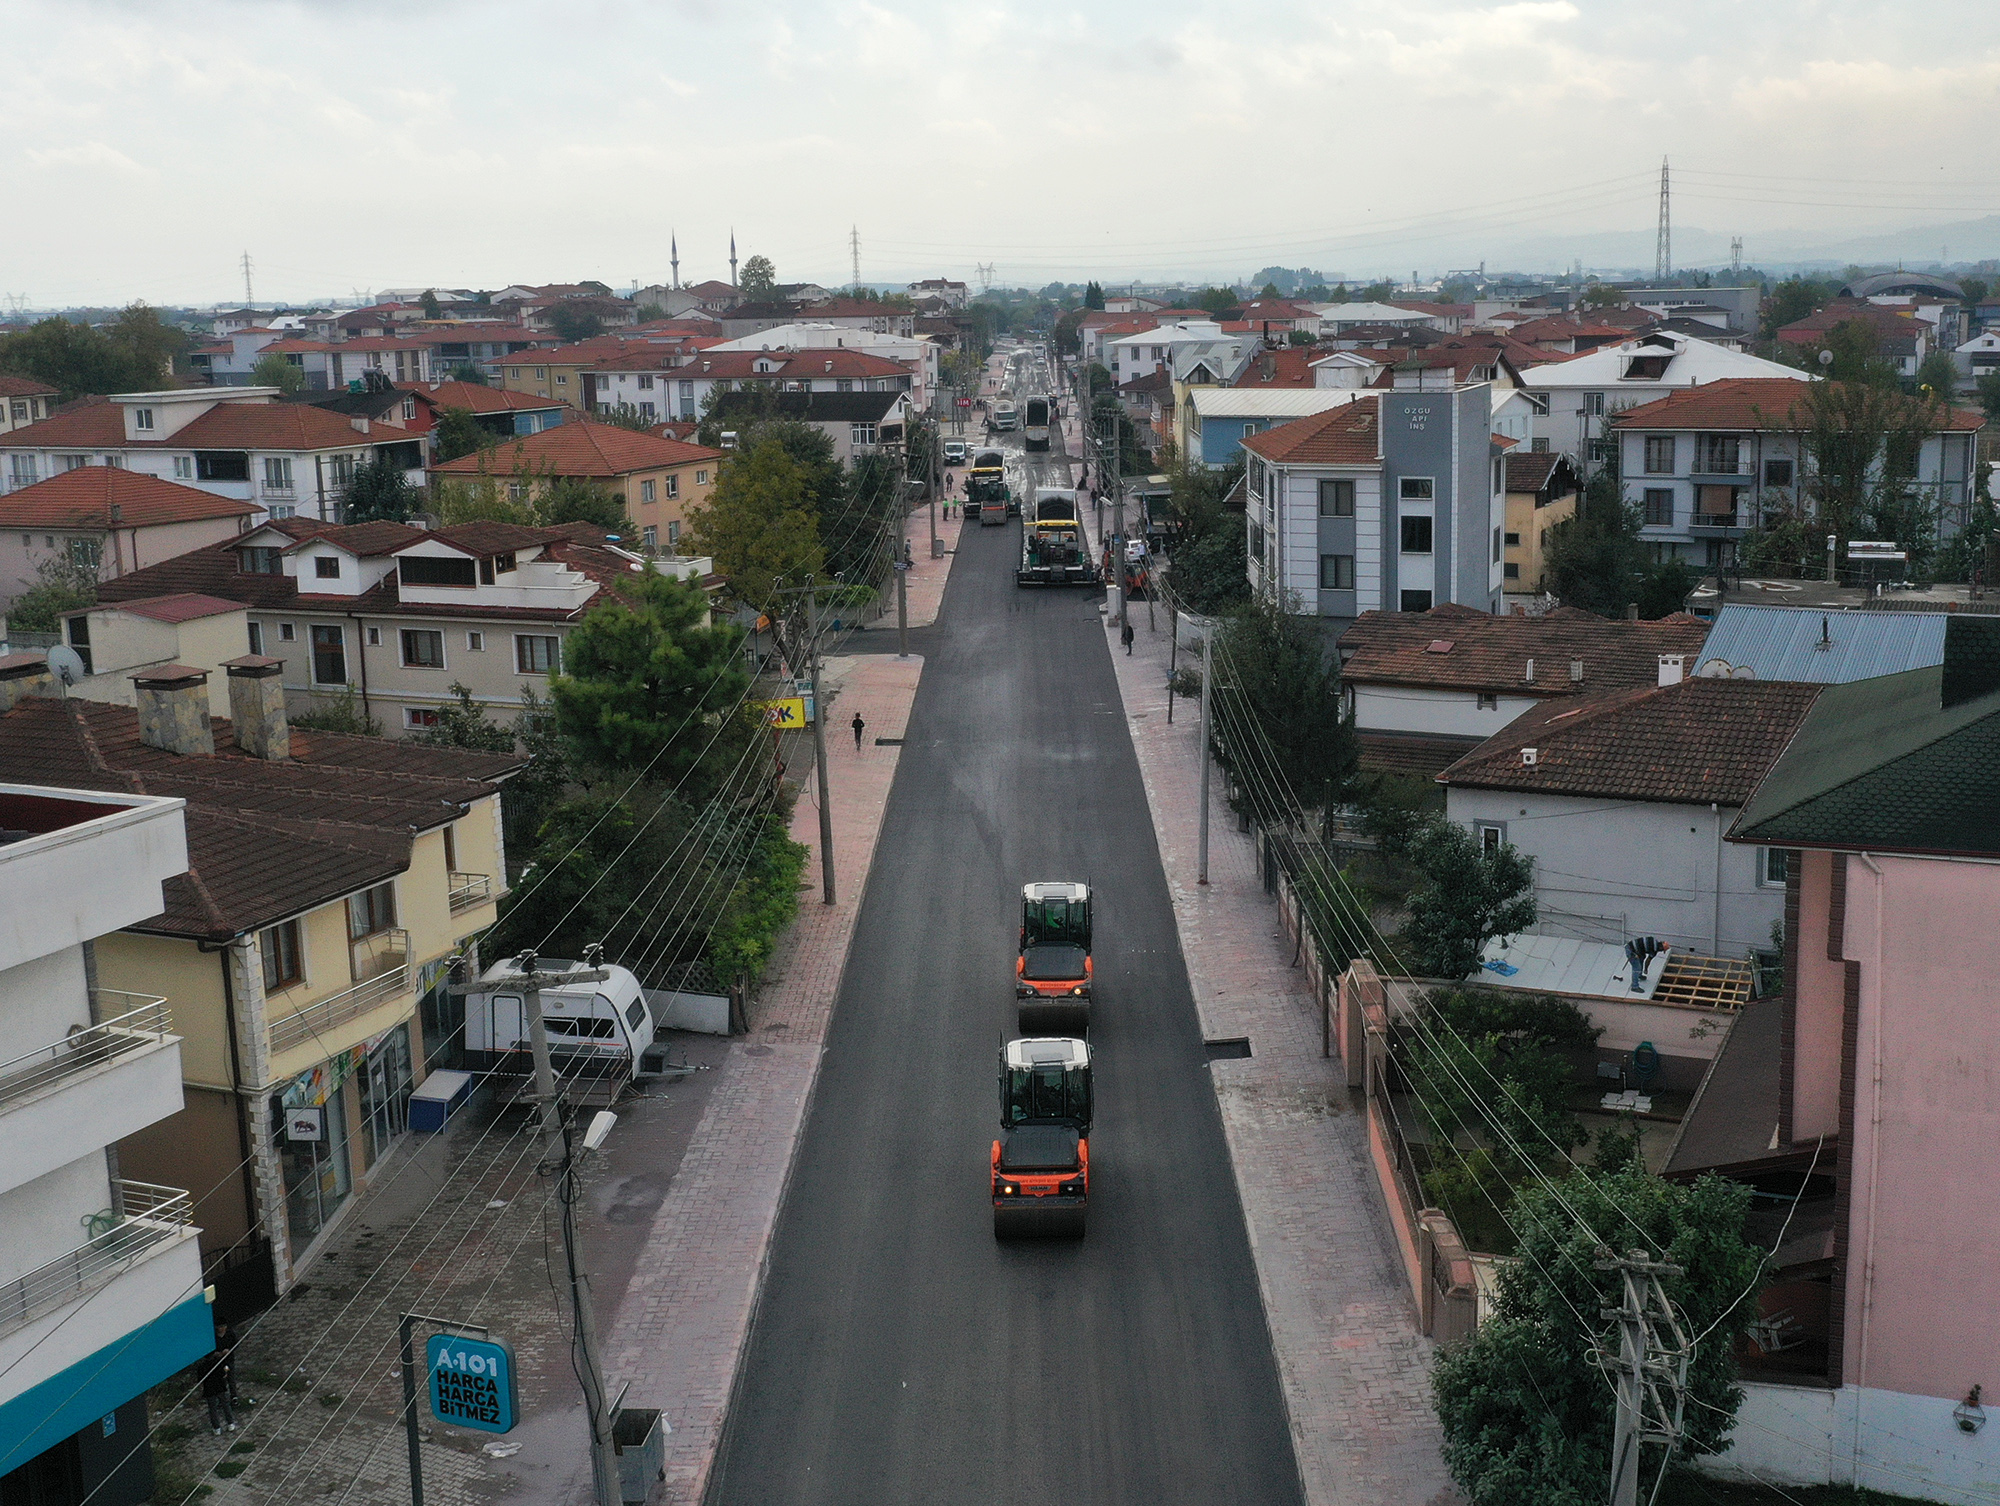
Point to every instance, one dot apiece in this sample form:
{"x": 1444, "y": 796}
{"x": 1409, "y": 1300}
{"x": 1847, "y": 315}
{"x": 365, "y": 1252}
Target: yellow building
{"x": 331, "y": 883}
{"x": 1542, "y": 490}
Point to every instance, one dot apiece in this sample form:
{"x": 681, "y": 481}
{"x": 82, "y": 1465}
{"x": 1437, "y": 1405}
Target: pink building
{"x": 1865, "y": 1102}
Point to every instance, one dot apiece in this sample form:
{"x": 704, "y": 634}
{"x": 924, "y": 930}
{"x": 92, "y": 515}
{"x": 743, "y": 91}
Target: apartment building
{"x": 24, "y": 401}
{"x": 100, "y": 1268}
{"x": 108, "y": 518}
{"x": 326, "y": 885}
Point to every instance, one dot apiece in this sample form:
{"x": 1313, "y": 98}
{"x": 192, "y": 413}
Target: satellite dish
{"x": 67, "y": 664}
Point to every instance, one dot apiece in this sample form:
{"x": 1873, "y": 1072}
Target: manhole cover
{"x": 1234, "y": 1048}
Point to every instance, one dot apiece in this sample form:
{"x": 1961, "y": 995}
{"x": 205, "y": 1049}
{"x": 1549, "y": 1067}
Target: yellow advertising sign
{"x": 785, "y": 714}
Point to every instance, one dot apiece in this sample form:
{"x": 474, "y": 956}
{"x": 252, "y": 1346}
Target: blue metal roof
{"x": 1784, "y": 643}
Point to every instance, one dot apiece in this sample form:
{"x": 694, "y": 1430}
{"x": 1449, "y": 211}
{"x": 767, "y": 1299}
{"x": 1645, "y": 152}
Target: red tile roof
{"x": 20, "y": 386}
{"x": 1768, "y": 404}
{"x": 1491, "y": 653}
{"x": 188, "y": 606}
{"x": 477, "y": 398}
{"x": 83, "y": 498}
{"x": 1345, "y": 435}
{"x": 1699, "y": 742}
{"x": 1289, "y": 367}
{"x": 580, "y": 448}
{"x": 268, "y": 426}
{"x": 94, "y": 426}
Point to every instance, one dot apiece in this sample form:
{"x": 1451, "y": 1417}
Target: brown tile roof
{"x": 1345, "y": 435}
{"x": 1290, "y": 367}
{"x": 1489, "y": 653}
{"x": 579, "y": 448}
{"x": 1411, "y": 752}
{"x": 1699, "y": 742}
{"x": 1530, "y": 472}
{"x": 187, "y": 606}
{"x": 84, "y": 497}
{"x": 1771, "y": 404}
{"x": 20, "y": 386}
{"x": 266, "y": 840}
{"x": 368, "y": 540}
{"x": 475, "y": 398}
{"x": 226, "y": 426}
{"x": 487, "y": 537}
{"x": 97, "y": 426}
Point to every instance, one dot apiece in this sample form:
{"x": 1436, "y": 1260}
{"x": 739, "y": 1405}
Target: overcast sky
{"x": 356, "y": 144}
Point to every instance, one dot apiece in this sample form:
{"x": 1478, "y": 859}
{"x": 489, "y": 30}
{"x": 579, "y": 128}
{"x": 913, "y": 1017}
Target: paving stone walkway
{"x": 1354, "y": 1367}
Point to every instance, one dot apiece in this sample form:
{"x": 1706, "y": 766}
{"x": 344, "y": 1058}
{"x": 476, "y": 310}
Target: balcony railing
{"x": 469, "y": 889}
{"x": 142, "y": 1021}
{"x": 1701, "y": 520}
{"x": 383, "y": 960}
{"x": 143, "y": 1218}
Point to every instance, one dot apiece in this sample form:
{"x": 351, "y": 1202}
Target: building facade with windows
{"x": 384, "y": 615}
{"x": 1707, "y": 466}
{"x": 24, "y": 401}
{"x": 100, "y": 1267}
{"x": 328, "y": 883}
{"x": 1389, "y": 502}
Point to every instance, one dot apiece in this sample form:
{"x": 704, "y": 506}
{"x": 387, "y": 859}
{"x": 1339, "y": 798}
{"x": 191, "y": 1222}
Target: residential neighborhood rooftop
{"x": 1460, "y": 648}
{"x": 86, "y": 496}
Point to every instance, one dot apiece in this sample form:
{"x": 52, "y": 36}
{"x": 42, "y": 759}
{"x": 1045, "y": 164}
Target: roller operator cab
{"x": 1041, "y": 1162}
{"x": 1052, "y": 976}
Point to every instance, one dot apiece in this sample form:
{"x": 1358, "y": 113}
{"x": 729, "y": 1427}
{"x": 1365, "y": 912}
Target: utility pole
{"x": 937, "y": 480}
{"x": 819, "y": 753}
{"x": 902, "y": 551}
{"x": 529, "y": 981}
{"x": 1118, "y": 604}
{"x": 1649, "y": 1369}
{"x": 1207, "y": 689}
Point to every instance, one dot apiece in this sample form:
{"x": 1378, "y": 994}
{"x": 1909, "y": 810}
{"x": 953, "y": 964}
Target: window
{"x": 423, "y": 648}
{"x": 562, "y": 379}
{"x": 1659, "y": 507}
{"x": 1719, "y": 453}
{"x": 287, "y": 633}
{"x": 340, "y": 469}
{"x": 1538, "y": 447}
{"x": 1659, "y": 454}
{"x": 1602, "y": 451}
{"x": 370, "y": 911}
{"x": 1777, "y": 473}
{"x": 515, "y": 372}
{"x": 1774, "y": 866}
{"x": 1496, "y": 546}
{"x": 1416, "y": 488}
{"x": 650, "y": 537}
{"x": 1513, "y": 541}
{"x": 1538, "y": 401}
{"x": 420, "y": 717}
{"x": 1593, "y": 405}
{"x": 861, "y": 434}
{"x": 673, "y": 534}
{"x": 85, "y": 554}
{"x": 326, "y": 566}
{"x": 283, "y": 957}
{"x": 374, "y": 637}
{"x": 645, "y": 384}
{"x": 329, "y": 655}
{"x": 72, "y": 462}
{"x": 409, "y": 410}
{"x": 1510, "y": 571}
{"x": 541, "y": 373}
{"x": 701, "y": 478}
{"x": 278, "y": 473}
{"x": 1336, "y": 572}
{"x": 183, "y": 467}
{"x": 1415, "y": 601}
{"x": 24, "y": 470}
{"x": 503, "y": 563}
{"x": 1416, "y": 535}
{"x": 20, "y": 412}
{"x": 647, "y": 411}
{"x": 1489, "y": 702}
{"x": 475, "y": 643}
{"x": 673, "y": 488}
{"x": 646, "y": 491}
{"x": 535, "y": 654}
{"x": 425, "y": 570}
{"x": 1336, "y": 499}
{"x": 142, "y": 418}
{"x": 257, "y": 638}
{"x": 843, "y": 384}
{"x": 1492, "y": 836}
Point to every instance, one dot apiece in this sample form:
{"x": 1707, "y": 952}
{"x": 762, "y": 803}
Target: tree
{"x": 1378, "y": 292}
{"x": 1988, "y": 388}
{"x": 1217, "y": 300}
{"x": 465, "y": 371}
{"x": 1793, "y": 299}
{"x": 1269, "y": 290}
{"x": 758, "y": 280}
{"x": 1602, "y": 295}
{"x": 1526, "y": 1415}
{"x": 1302, "y": 337}
{"x": 483, "y": 500}
{"x": 1974, "y": 288}
{"x": 462, "y": 723}
{"x": 379, "y": 493}
{"x": 1210, "y": 573}
{"x": 1466, "y": 897}
{"x": 573, "y": 321}
{"x": 459, "y": 432}
{"x": 63, "y": 583}
{"x": 1856, "y": 352}
{"x": 1093, "y": 296}
{"x": 432, "y": 308}
{"x": 1938, "y": 373}
{"x": 625, "y": 416}
{"x": 275, "y": 371}
{"x": 1279, "y": 727}
{"x": 341, "y": 712}
{"x": 150, "y": 345}
{"x": 1593, "y": 559}
{"x": 650, "y": 686}
{"x": 75, "y": 359}
{"x": 570, "y": 499}
{"x": 1862, "y": 442}
{"x": 757, "y": 523}
{"x": 650, "y": 313}
{"x": 1069, "y": 332}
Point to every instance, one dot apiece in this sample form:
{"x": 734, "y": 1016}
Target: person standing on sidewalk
{"x": 859, "y": 725}
{"x": 215, "y": 1389}
{"x": 1125, "y": 637}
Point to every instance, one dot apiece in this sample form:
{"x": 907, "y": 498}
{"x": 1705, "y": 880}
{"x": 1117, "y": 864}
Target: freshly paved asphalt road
{"x": 899, "y": 1353}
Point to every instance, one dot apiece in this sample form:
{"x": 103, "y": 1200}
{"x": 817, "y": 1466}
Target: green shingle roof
{"x": 1883, "y": 765}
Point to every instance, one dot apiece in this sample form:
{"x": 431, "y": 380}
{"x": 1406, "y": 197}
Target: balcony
{"x": 96, "y": 1085}
{"x": 469, "y": 889}
{"x": 150, "y": 1219}
{"x": 1717, "y": 524}
{"x": 381, "y": 961}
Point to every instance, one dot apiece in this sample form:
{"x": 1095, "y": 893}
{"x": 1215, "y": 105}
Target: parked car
{"x": 955, "y": 451}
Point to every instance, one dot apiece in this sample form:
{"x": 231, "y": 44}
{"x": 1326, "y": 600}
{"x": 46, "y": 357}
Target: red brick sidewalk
{"x": 1354, "y": 1368}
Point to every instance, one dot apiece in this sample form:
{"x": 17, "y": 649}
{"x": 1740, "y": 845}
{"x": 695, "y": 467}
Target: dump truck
{"x": 1041, "y": 1162}
{"x": 1052, "y": 975}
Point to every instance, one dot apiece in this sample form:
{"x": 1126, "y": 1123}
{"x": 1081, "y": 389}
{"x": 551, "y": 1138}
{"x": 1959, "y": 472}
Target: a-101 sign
{"x": 472, "y": 1383}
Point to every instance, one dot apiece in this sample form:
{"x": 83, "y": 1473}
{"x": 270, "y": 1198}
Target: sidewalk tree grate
{"x": 888, "y": 742}
{"x": 1231, "y": 1048}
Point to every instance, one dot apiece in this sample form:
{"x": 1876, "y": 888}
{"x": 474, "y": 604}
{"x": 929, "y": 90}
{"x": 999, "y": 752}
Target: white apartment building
{"x": 919, "y": 353}
{"x": 101, "y": 1285}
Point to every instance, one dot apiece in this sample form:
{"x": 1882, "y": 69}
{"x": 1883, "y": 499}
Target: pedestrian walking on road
{"x": 1125, "y": 637}
{"x": 859, "y": 725}
{"x": 215, "y": 1390}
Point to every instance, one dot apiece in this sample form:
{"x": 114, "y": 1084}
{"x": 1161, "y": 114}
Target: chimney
{"x": 257, "y": 706}
{"x": 173, "y": 710}
{"x": 1672, "y": 668}
{"x": 1529, "y": 757}
{"x": 1631, "y": 611}
{"x": 1576, "y": 671}
{"x": 1529, "y": 677}
{"x": 23, "y": 675}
